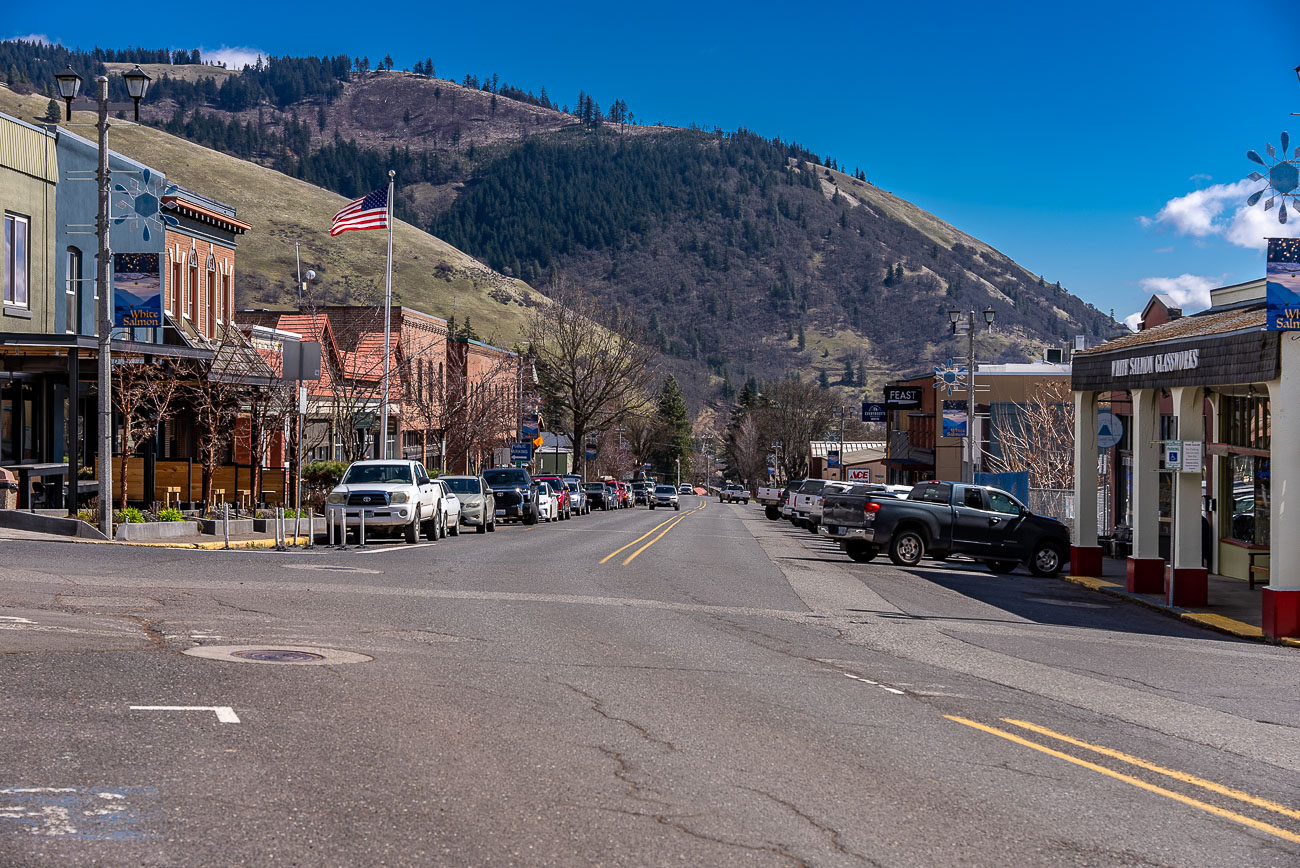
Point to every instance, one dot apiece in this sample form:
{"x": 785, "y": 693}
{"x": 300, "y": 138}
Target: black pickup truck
{"x": 939, "y": 519}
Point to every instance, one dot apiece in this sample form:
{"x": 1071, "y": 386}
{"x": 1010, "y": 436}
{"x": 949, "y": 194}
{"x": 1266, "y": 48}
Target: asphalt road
{"x": 700, "y": 687}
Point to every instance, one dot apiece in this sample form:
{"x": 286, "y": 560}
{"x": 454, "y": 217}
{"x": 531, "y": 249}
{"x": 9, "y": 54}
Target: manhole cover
{"x": 291, "y": 655}
{"x": 331, "y": 568}
{"x": 277, "y": 655}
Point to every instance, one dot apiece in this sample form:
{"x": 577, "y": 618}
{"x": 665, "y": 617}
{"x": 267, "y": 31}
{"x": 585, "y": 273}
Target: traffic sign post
{"x": 1110, "y": 430}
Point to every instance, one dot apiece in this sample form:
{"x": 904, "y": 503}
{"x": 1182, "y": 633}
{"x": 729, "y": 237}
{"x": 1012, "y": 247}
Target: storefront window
{"x": 1246, "y": 429}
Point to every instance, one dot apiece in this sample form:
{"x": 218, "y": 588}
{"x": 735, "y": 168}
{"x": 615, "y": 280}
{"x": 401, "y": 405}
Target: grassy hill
{"x": 428, "y": 274}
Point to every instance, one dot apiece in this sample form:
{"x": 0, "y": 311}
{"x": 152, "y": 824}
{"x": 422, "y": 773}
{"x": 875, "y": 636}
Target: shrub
{"x": 318, "y": 474}
{"x": 88, "y": 516}
{"x": 171, "y": 513}
{"x": 130, "y": 515}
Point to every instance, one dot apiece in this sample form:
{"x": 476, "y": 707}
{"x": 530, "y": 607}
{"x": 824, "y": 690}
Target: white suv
{"x": 393, "y": 495}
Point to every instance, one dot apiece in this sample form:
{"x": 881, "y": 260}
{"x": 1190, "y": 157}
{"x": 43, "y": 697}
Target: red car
{"x": 625, "y": 494}
{"x": 563, "y": 502}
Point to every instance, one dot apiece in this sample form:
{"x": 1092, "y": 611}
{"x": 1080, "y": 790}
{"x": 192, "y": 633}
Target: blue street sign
{"x": 872, "y": 412}
{"x": 521, "y": 451}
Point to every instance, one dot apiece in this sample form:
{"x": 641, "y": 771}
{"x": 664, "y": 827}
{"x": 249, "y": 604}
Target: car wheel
{"x": 430, "y": 530}
{"x": 773, "y": 513}
{"x": 861, "y": 554}
{"x": 1046, "y": 559}
{"x": 907, "y": 548}
{"x": 812, "y": 527}
{"x": 677, "y": 506}
{"x": 529, "y": 517}
{"x": 1002, "y": 567}
{"x": 492, "y": 526}
{"x": 455, "y": 528}
{"x": 412, "y": 531}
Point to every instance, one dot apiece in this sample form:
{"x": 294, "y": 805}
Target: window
{"x": 1004, "y": 503}
{"x": 974, "y": 498}
{"x": 72, "y": 291}
{"x": 1246, "y": 422}
{"x": 13, "y": 269}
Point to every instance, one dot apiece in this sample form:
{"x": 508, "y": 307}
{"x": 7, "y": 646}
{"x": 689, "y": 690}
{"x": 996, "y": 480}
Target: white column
{"x": 1284, "y": 466}
{"x": 1189, "y": 408}
{"x": 1146, "y": 476}
{"x": 1214, "y": 480}
{"x": 1085, "y": 468}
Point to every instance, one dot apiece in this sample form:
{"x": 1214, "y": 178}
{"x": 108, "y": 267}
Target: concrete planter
{"x": 151, "y": 530}
{"x": 238, "y": 526}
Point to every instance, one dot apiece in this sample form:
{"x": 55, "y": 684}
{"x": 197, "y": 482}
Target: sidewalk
{"x": 1233, "y": 607}
{"x": 192, "y": 541}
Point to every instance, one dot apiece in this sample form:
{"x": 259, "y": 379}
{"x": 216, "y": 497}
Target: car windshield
{"x": 595, "y": 486}
{"x": 503, "y": 476}
{"x": 463, "y": 484}
{"x": 573, "y": 486}
{"x": 812, "y": 486}
{"x": 665, "y": 489}
{"x": 372, "y": 474}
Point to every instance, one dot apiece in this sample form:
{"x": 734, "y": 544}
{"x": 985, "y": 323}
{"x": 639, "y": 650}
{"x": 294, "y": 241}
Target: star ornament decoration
{"x": 950, "y": 376}
{"x": 1283, "y": 176}
{"x": 141, "y": 205}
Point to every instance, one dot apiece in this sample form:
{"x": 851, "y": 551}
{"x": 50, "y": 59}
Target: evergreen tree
{"x": 823, "y": 380}
{"x": 52, "y": 111}
{"x": 848, "y": 379}
{"x": 801, "y": 336}
{"x": 674, "y": 421}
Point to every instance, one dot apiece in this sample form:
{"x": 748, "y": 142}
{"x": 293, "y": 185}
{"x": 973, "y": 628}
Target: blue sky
{"x": 1099, "y": 144}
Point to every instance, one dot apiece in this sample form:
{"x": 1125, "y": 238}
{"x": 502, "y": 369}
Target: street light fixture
{"x": 137, "y": 85}
{"x": 69, "y": 87}
{"x": 955, "y": 317}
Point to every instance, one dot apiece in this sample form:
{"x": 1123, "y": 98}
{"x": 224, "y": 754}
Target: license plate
{"x": 501, "y": 512}
{"x": 840, "y": 531}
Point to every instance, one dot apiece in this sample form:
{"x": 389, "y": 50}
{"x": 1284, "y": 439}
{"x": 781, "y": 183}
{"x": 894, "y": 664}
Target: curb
{"x": 1208, "y": 620}
{"x": 215, "y": 545}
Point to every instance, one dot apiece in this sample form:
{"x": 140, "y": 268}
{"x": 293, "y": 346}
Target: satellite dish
{"x": 311, "y": 275}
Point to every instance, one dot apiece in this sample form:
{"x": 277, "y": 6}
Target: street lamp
{"x": 955, "y": 318}
{"x": 69, "y": 87}
{"x": 137, "y": 84}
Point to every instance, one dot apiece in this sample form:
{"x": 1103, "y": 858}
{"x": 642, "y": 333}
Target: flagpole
{"x": 388, "y": 312}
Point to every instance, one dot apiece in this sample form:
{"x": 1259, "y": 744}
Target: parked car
{"x": 665, "y": 495}
{"x": 625, "y": 494}
{"x": 685, "y": 488}
{"x": 787, "y": 497}
{"x": 770, "y": 498}
{"x": 803, "y": 501}
{"x": 817, "y": 501}
{"x": 733, "y": 493}
{"x": 548, "y": 505}
{"x": 477, "y": 503}
{"x": 598, "y": 496}
{"x": 939, "y": 519}
{"x": 451, "y": 509}
{"x": 395, "y": 496}
{"x": 514, "y": 493}
{"x": 578, "y": 496}
{"x": 560, "y": 491}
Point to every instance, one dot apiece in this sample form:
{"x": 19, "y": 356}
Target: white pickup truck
{"x": 805, "y": 498}
{"x": 769, "y": 498}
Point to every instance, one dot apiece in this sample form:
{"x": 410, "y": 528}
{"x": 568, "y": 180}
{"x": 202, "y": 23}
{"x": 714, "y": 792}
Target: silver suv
{"x": 664, "y": 495}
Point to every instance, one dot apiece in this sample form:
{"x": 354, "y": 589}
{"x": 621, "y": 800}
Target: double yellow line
{"x": 666, "y": 525}
{"x": 1183, "y": 777}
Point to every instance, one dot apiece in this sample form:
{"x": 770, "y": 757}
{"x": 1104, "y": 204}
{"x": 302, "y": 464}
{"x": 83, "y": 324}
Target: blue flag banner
{"x": 1283, "y": 284}
{"x": 137, "y": 291}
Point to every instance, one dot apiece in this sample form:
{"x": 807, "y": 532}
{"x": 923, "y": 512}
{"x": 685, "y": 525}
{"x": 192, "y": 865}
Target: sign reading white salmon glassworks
{"x": 1159, "y": 363}
{"x": 1214, "y": 360}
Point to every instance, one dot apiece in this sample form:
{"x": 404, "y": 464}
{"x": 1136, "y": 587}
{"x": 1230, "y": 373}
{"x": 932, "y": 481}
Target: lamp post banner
{"x": 1283, "y": 284}
{"x": 137, "y": 291}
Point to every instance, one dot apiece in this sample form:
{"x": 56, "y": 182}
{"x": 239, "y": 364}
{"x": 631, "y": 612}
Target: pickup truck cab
{"x": 769, "y": 497}
{"x": 393, "y": 496}
{"x": 945, "y": 518}
{"x": 787, "y": 497}
{"x": 733, "y": 493}
{"x": 805, "y": 497}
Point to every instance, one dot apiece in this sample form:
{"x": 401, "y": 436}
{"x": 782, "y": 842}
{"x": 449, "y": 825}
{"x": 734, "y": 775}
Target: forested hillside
{"x": 742, "y": 256}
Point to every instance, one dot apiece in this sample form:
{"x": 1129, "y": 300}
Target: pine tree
{"x": 801, "y": 336}
{"x": 675, "y": 422}
{"x": 848, "y": 379}
{"x": 822, "y": 380}
{"x": 52, "y": 111}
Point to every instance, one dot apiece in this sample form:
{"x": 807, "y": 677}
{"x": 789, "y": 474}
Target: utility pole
{"x": 103, "y": 266}
{"x": 955, "y": 317}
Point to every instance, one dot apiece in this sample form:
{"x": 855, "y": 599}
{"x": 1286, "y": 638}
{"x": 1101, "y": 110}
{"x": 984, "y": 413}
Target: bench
{"x": 1256, "y": 570}
{"x": 170, "y": 493}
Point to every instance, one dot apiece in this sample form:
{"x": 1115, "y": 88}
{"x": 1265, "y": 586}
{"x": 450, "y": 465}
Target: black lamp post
{"x": 137, "y": 85}
{"x": 69, "y": 87}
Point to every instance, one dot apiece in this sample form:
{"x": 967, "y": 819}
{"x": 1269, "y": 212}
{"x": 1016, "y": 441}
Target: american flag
{"x": 368, "y": 212}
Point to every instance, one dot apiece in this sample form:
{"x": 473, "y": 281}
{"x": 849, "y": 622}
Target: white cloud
{"x": 1200, "y": 178}
{"x": 1133, "y": 320}
{"x": 31, "y": 37}
{"x": 1221, "y": 210}
{"x": 234, "y": 57}
{"x": 1191, "y": 292}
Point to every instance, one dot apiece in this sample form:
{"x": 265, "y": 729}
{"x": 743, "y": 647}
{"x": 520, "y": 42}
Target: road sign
{"x": 299, "y": 360}
{"x": 873, "y": 412}
{"x": 1110, "y": 430}
{"x": 364, "y": 421}
{"x": 521, "y": 451}
{"x": 1193, "y": 456}
{"x": 538, "y": 441}
{"x": 1172, "y": 453}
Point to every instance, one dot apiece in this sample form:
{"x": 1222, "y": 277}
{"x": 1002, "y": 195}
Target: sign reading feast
{"x": 1283, "y": 284}
{"x": 903, "y": 397}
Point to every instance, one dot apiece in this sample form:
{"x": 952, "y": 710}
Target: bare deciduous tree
{"x": 143, "y": 392}
{"x": 1037, "y": 436}
{"x": 593, "y": 367}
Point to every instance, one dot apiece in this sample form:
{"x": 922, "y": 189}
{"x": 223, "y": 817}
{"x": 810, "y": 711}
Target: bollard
{"x": 225, "y": 523}
{"x": 361, "y": 540}
{"x": 311, "y": 528}
{"x": 329, "y": 525}
{"x": 279, "y": 531}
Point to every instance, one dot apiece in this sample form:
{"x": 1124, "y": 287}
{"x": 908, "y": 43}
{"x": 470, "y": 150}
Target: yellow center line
{"x": 674, "y": 524}
{"x": 1152, "y": 767}
{"x": 1170, "y": 794}
{"x": 635, "y": 541}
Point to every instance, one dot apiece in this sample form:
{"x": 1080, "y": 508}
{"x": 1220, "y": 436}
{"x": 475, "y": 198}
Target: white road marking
{"x": 893, "y": 690}
{"x": 225, "y": 714}
{"x": 395, "y": 548}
